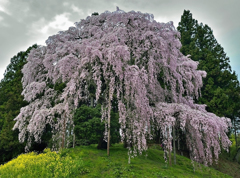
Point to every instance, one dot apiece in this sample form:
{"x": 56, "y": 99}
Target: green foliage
{"x": 88, "y": 126}
{"x": 160, "y": 79}
{"x": 233, "y": 150}
{"x": 11, "y": 101}
{"x": 220, "y": 91}
{"x": 95, "y": 13}
{"x": 59, "y": 86}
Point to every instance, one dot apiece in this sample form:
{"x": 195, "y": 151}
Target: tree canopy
{"x": 133, "y": 57}
{"x": 11, "y": 101}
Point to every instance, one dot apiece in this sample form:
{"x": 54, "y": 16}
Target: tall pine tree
{"x": 11, "y": 101}
{"x": 220, "y": 89}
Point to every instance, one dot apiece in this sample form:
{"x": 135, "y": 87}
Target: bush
{"x": 48, "y": 164}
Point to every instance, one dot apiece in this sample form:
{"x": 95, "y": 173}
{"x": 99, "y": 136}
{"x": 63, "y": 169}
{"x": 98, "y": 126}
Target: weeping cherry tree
{"x": 129, "y": 55}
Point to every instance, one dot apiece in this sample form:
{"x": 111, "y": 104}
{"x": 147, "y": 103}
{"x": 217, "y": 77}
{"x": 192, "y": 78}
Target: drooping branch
{"x": 206, "y": 133}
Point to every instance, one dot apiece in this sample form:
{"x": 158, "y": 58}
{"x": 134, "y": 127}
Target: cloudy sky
{"x": 26, "y": 22}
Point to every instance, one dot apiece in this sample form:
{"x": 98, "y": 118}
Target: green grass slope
{"x": 227, "y": 165}
{"x": 88, "y": 161}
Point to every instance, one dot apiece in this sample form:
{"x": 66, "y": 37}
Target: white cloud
{"x": 42, "y": 29}
{"x": 60, "y": 22}
{"x": 76, "y": 9}
{"x": 3, "y": 4}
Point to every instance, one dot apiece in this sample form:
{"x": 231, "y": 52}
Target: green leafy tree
{"x": 11, "y": 101}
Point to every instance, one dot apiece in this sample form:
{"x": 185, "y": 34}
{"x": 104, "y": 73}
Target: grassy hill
{"x": 88, "y": 161}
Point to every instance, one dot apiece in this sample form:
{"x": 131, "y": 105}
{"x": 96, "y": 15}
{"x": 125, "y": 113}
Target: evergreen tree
{"x": 221, "y": 87}
{"x": 11, "y": 101}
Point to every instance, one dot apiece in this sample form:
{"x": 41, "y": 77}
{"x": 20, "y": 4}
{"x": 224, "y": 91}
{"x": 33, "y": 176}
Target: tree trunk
{"x": 170, "y": 159}
{"x": 178, "y": 143}
{"x": 92, "y": 101}
{"x": 235, "y": 134}
{"x": 73, "y": 140}
{"x": 169, "y": 151}
{"x": 109, "y": 114}
{"x": 64, "y": 132}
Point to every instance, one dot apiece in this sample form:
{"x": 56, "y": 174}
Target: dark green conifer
{"x": 11, "y": 101}
{"x": 198, "y": 41}
{"x": 221, "y": 90}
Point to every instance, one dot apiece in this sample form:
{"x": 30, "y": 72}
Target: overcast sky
{"x": 26, "y": 22}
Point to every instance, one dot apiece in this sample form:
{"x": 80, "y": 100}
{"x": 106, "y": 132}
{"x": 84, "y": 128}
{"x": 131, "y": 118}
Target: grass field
{"x": 88, "y": 161}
